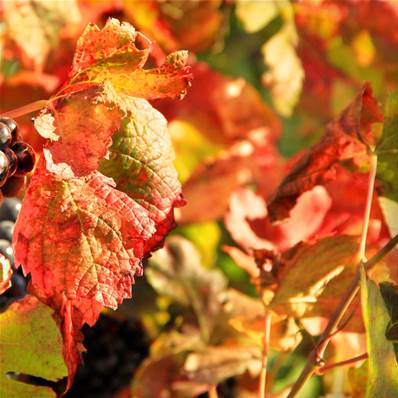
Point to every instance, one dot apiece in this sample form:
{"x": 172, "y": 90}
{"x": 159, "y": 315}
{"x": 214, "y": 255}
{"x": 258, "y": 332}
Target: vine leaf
{"x": 214, "y": 364}
{"x": 113, "y": 54}
{"x": 41, "y": 23}
{"x": 222, "y": 108}
{"x": 82, "y": 241}
{"x": 176, "y": 271}
{"x": 107, "y": 70}
{"x": 346, "y": 137}
{"x": 78, "y": 234}
{"x": 387, "y": 150}
{"x": 307, "y": 272}
{"x": 140, "y": 162}
{"x": 30, "y": 344}
{"x": 382, "y": 366}
{"x": 390, "y": 213}
{"x": 389, "y": 292}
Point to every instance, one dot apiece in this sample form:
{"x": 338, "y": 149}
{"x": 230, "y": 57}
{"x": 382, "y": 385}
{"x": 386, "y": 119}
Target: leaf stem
{"x": 213, "y": 392}
{"x": 262, "y": 389}
{"x": 23, "y": 110}
{"x": 342, "y": 363}
{"x": 317, "y": 352}
{"x": 368, "y": 206}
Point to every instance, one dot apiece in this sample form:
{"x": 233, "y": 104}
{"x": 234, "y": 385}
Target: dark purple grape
{"x": 5, "y": 136}
{"x": 18, "y": 285}
{"x": 9, "y": 209}
{"x": 6, "y": 230}
{"x": 26, "y": 158}
{"x": 13, "y": 161}
{"x": 12, "y": 125}
{"x": 16, "y": 291}
{"x": 4, "y": 168}
{"x": 115, "y": 349}
{"x": 13, "y": 186}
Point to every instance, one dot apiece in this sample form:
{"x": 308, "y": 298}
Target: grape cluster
{"x": 17, "y": 158}
{"x": 115, "y": 349}
{"x": 9, "y": 210}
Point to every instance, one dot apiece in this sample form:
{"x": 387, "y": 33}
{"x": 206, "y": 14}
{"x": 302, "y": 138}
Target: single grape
{"x": 16, "y": 291}
{"x": 4, "y": 168}
{"x": 26, "y": 158}
{"x": 12, "y": 125}
{"x": 5, "y": 135}
{"x": 18, "y": 285}
{"x": 6, "y": 250}
{"x": 9, "y": 209}
{"x": 13, "y": 161}
{"x": 6, "y": 230}
{"x": 13, "y": 186}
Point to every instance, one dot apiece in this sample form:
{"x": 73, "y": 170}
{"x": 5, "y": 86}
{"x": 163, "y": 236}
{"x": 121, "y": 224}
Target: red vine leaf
{"x": 113, "y": 54}
{"x": 107, "y": 68}
{"x": 82, "y": 241}
{"x": 140, "y": 162}
{"x": 86, "y": 238}
{"x": 80, "y": 237}
{"x": 210, "y": 186}
{"x": 224, "y": 109}
{"x": 92, "y": 111}
{"x": 348, "y": 195}
{"x": 346, "y": 137}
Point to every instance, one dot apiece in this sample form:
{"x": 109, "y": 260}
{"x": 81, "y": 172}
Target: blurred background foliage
{"x": 268, "y": 76}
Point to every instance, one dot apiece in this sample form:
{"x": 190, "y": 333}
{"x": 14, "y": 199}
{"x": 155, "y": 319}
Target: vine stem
{"x": 262, "y": 388}
{"x": 23, "y": 110}
{"x": 316, "y": 354}
{"x": 343, "y": 363}
{"x": 313, "y": 358}
{"x": 368, "y": 206}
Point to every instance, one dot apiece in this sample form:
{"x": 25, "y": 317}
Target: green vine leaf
{"x": 30, "y": 344}
{"x": 382, "y": 366}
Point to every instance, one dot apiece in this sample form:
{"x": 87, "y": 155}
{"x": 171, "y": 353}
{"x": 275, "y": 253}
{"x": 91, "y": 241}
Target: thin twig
{"x": 264, "y": 362}
{"x": 368, "y": 206}
{"x": 213, "y": 392}
{"x": 334, "y": 320}
{"x": 24, "y": 110}
{"x": 342, "y": 363}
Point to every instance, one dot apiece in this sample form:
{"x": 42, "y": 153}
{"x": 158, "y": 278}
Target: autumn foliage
{"x": 225, "y": 172}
